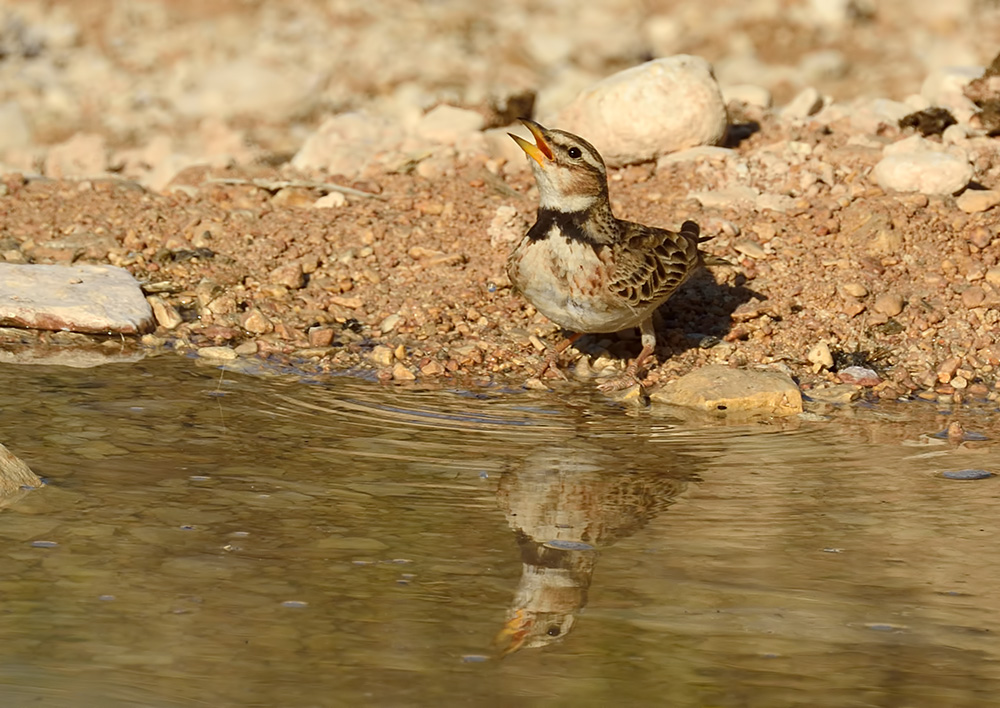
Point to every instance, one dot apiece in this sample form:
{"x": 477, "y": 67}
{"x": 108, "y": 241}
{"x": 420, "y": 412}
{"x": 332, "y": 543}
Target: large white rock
{"x": 649, "y": 110}
{"x": 85, "y": 298}
{"x": 916, "y": 164}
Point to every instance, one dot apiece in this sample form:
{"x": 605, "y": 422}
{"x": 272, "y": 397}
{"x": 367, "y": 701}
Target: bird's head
{"x": 569, "y": 171}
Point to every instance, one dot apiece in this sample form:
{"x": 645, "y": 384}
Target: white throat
{"x": 549, "y": 198}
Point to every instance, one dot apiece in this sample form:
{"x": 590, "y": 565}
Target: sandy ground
{"x": 408, "y": 281}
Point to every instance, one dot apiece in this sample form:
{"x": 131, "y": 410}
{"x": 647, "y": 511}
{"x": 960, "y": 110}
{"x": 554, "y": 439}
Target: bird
{"x": 585, "y": 269}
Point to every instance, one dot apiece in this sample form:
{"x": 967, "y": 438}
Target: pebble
{"x": 390, "y": 323}
{"x": 854, "y": 289}
{"x": 400, "y": 372}
{"x": 256, "y": 322}
{"x": 972, "y": 201}
{"x": 993, "y": 276}
{"x": 290, "y": 275}
{"x": 820, "y": 356}
{"x": 166, "y": 314}
{"x": 751, "y": 249}
{"x": 806, "y": 103}
{"x": 973, "y": 297}
{"x": 382, "y": 356}
{"x": 332, "y": 200}
{"x": 969, "y": 474}
{"x": 859, "y": 376}
{"x": 889, "y": 304}
{"x": 649, "y": 110}
{"x": 220, "y": 353}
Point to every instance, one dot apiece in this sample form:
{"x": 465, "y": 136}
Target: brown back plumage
{"x": 651, "y": 263}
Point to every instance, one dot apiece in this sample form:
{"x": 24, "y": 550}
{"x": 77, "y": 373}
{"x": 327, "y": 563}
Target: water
{"x": 211, "y": 539}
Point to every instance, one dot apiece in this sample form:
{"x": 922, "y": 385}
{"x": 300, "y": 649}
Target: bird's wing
{"x": 651, "y": 263}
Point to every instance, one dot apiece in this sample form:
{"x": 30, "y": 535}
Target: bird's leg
{"x": 631, "y": 375}
{"x": 553, "y": 357}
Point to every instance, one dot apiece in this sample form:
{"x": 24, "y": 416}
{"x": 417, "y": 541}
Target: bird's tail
{"x": 692, "y": 231}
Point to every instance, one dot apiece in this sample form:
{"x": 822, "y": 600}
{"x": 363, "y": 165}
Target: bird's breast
{"x": 567, "y": 281}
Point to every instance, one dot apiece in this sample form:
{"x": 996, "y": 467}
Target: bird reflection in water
{"x": 567, "y": 502}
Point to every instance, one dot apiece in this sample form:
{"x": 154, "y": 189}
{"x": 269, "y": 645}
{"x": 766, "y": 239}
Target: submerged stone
{"x": 966, "y": 474}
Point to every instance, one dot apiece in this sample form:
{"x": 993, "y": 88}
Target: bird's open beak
{"x": 512, "y": 636}
{"x": 541, "y": 150}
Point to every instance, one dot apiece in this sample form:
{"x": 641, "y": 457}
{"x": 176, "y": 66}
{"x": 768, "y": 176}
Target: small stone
{"x": 390, "y": 323}
{"x": 351, "y": 303}
{"x": 859, "y": 376}
{"x": 320, "y": 336}
{"x": 290, "y": 275}
{"x": 807, "y": 102}
{"x": 959, "y": 382}
{"x": 381, "y": 356}
{"x": 820, "y": 356}
{"x": 993, "y": 276}
{"x": 973, "y": 297}
{"x": 947, "y": 369}
{"x": 889, "y": 304}
{"x": 400, "y": 372}
{"x": 649, "y": 110}
{"x": 166, "y": 314}
{"x": 333, "y": 200}
{"x": 972, "y": 201}
{"x": 220, "y": 353}
{"x": 854, "y": 290}
{"x": 256, "y": 322}
{"x": 432, "y": 368}
{"x": 719, "y": 389}
{"x": 751, "y": 249}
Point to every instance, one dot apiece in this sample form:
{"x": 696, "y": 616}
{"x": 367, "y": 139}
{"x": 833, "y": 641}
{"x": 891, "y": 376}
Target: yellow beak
{"x": 513, "y": 634}
{"x": 540, "y": 151}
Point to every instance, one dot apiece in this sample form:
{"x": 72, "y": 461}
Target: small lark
{"x": 586, "y": 270}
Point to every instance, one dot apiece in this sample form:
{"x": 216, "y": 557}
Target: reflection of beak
{"x": 541, "y": 149}
{"x": 511, "y": 637}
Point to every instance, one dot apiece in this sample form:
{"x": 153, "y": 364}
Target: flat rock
{"x": 719, "y": 389}
{"x": 649, "y": 110}
{"x": 86, "y": 298}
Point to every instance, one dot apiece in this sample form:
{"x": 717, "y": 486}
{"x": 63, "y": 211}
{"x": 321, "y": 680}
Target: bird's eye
{"x": 554, "y": 631}
{"x": 574, "y": 152}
